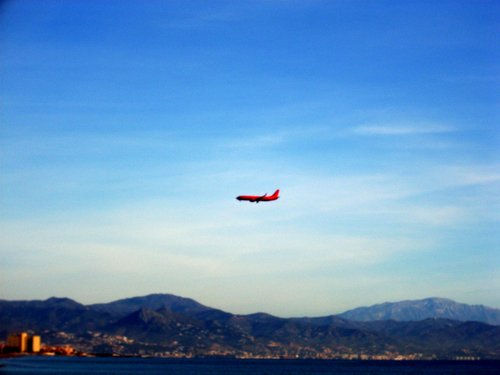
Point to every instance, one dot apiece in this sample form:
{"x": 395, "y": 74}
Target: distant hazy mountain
{"x": 422, "y": 309}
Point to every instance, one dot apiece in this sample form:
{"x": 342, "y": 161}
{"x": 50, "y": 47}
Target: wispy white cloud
{"x": 470, "y": 174}
{"x": 172, "y": 246}
{"x": 273, "y": 137}
{"x": 428, "y": 215}
{"x": 182, "y": 245}
{"x": 396, "y": 129}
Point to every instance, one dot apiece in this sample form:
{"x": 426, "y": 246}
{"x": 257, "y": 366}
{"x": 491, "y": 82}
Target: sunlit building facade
{"x": 22, "y": 342}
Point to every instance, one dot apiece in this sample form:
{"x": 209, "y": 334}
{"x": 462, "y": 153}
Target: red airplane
{"x": 259, "y": 198}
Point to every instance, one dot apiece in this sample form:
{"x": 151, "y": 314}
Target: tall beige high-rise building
{"x": 35, "y": 342}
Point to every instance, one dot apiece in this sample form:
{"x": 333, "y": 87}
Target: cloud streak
{"x": 395, "y": 130}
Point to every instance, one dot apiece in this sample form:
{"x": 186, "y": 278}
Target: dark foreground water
{"x": 121, "y": 366}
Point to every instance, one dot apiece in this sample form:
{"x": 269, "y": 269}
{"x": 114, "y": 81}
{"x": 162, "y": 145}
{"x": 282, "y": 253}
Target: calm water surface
{"x": 72, "y": 365}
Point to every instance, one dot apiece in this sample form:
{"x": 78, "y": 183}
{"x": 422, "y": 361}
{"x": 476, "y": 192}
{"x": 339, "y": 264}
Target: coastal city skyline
{"x": 129, "y": 128}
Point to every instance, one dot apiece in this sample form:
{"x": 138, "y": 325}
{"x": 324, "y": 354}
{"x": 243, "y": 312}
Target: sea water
{"x": 135, "y": 366}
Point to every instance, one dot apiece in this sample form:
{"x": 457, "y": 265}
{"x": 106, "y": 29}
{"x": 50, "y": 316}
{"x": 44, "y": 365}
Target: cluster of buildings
{"x": 23, "y": 343}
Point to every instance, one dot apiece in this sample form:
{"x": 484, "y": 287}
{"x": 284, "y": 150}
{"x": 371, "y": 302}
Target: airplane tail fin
{"x": 276, "y": 193}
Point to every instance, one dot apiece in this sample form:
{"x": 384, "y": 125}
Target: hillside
{"x": 176, "y": 326}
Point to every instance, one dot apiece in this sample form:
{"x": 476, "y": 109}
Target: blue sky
{"x": 127, "y": 128}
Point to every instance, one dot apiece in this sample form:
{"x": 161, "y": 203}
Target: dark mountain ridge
{"x": 152, "y": 301}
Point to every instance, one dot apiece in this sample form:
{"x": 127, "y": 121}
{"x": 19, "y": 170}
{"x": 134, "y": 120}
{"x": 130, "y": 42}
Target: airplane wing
{"x": 260, "y": 198}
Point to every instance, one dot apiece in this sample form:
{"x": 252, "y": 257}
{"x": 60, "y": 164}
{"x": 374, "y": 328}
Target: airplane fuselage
{"x": 259, "y": 198}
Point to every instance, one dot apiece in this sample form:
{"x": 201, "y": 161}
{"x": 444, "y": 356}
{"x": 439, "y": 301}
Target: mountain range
{"x": 168, "y": 325}
{"x": 423, "y": 309}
